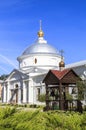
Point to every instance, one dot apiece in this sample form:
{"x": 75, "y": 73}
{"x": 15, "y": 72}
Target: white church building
{"x": 25, "y": 84}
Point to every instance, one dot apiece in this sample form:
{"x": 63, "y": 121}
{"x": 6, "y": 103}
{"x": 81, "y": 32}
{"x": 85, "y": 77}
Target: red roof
{"x": 60, "y": 74}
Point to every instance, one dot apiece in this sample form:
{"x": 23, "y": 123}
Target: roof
{"x": 39, "y": 47}
{"x": 60, "y": 74}
{"x": 66, "y": 76}
{"x": 76, "y": 64}
{"x": 18, "y": 72}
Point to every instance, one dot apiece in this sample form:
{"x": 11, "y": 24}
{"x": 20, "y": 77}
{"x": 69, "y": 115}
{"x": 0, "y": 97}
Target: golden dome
{"x": 61, "y": 64}
{"x": 40, "y": 33}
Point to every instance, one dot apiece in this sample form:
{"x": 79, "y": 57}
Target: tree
{"x": 81, "y": 85}
{"x": 3, "y": 77}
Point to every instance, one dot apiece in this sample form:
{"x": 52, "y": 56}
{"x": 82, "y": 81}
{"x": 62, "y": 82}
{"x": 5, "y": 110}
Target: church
{"x": 25, "y": 84}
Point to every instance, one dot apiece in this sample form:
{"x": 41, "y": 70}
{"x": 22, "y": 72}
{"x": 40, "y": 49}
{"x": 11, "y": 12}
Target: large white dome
{"x": 40, "y": 47}
{"x": 40, "y": 55}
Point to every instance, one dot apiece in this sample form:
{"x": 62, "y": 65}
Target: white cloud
{"x": 5, "y": 70}
{"x": 6, "y": 60}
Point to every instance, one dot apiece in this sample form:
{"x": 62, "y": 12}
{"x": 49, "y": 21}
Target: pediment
{"x": 16, "y": 75}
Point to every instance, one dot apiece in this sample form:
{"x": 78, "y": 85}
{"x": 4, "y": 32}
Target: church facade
{"x": 25, "y": 83}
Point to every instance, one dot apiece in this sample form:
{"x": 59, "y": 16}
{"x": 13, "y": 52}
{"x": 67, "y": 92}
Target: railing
{"x": 67, "y": 105}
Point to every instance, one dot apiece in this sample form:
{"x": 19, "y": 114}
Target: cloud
{"x": 7, "y": 61}
{"x": 5, "y": 70}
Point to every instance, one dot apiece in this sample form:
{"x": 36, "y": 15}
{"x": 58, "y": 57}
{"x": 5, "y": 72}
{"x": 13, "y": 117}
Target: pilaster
{"x": 24, "y": 93}
{"x": 19, "y": 95}
{"x": 8, "y": 92}
{"x": 4, "y": 94}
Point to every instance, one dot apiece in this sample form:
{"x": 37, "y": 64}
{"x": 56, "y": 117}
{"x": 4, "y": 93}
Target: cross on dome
{"x": 40, "y": 46}
{"x": 62, "y": 52}
{"x": 40, "y": 33}
{"x": 40, "y": 25}
{"x": 61, "y": 63}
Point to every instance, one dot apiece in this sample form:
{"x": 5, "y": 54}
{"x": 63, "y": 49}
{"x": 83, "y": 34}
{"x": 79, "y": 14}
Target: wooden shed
{"x": 57, "y": 87}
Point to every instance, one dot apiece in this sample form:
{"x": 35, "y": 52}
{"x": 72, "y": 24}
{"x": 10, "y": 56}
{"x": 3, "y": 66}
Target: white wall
{"x": 43, "y": 61}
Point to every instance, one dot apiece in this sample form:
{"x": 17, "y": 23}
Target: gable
{"x": 16, "y": 75}
{"x": 51, "y": 78}
{"x": 67, "y": 76}
{"x": 70, "y": 77}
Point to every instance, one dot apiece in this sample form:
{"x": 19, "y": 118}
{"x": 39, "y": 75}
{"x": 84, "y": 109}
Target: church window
{"x": 38, "y": 91}
{"x": 35, "y": 60}
{"x": 16, "y": 86}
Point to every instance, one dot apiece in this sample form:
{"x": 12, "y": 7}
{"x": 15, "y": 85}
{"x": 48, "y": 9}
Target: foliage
{"x": 11, "y": 119}
{"x": 3, "y": 77}
{"x": 41, "y": 97}
{"x": 33, "y": 106}
{"x": 6, "y": 112}
{"x": 81, "y": 89}
{"x": 69, "y": 97}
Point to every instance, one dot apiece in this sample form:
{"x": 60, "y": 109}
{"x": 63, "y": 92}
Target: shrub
{"x": 33, "y": 106}
{"x": 6, "y": 112}
{"x": 11, "y": 119}
{"x": 42, "y": 97}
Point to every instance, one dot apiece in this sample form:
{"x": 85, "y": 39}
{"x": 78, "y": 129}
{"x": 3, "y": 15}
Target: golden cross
{"x": 62, "y": 52}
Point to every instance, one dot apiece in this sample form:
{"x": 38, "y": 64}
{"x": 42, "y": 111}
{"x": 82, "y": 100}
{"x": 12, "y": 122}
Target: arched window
{"x": 16, "y": 86}
{"x": 35, "y": 60}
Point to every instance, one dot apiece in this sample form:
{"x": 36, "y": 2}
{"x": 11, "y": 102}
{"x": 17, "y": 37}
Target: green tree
{"x": 81, "y": 85}
{"x": 3, "y": 77}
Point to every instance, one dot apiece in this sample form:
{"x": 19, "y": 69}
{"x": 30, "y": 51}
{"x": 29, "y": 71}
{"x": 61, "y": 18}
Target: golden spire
{"x": 61, "y": 63}
{"x": 40, "y": 33}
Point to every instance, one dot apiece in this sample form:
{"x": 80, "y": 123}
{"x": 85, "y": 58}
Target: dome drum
{"x": 47, "y": 55}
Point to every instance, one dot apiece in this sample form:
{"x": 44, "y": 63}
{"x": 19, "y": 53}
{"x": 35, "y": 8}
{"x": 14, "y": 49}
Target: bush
{"x": 6, "y": 112}
{"x": 11, "y": 119}
{"x": 33, "y": 106}
{"x": 42, "y": 97}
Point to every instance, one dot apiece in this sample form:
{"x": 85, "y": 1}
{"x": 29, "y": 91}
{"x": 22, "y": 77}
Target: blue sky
{"x": 63, "y": 22}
